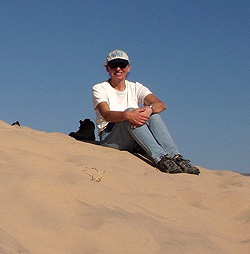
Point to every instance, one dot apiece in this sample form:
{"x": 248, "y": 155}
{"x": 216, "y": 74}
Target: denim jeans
{"x": 153, "y": 137}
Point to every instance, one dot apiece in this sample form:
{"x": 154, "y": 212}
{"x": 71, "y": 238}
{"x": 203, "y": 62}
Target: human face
{"x": 118, "y": 70}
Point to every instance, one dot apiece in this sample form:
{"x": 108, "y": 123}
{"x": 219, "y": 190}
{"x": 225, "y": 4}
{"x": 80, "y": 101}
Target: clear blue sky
{"x": 194, "y": 55}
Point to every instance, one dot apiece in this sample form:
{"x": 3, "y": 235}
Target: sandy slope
{"x": 59, "y": 195}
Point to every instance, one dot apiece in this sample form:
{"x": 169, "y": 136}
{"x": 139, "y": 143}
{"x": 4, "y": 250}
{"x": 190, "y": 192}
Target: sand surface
{"x": 59, "y": 196}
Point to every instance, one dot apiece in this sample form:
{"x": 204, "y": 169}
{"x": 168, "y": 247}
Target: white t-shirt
{"x": 132, "y": 97}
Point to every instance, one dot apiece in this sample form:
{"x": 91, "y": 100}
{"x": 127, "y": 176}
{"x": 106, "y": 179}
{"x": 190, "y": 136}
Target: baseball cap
{"x": 117, "y": 54}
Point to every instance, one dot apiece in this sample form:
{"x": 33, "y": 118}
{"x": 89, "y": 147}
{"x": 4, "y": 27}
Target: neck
{"x": 118, "y": 84}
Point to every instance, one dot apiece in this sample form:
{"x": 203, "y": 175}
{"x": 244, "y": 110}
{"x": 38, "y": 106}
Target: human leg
{"x": 161, "y": 134}
{"x": 123, "y": 137}
{"x": 144, "y": 138}
{"x": 154, "y": 138}
{"x": 118, "y": 138}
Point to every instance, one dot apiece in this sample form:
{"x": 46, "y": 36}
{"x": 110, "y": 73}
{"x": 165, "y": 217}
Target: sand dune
{"x": 59, "y": 196}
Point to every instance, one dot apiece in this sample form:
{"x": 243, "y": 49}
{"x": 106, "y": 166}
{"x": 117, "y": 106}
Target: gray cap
{"x": 117, "y": 54}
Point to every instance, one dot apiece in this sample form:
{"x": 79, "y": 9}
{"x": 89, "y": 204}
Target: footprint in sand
{"x": 94, "y": 174}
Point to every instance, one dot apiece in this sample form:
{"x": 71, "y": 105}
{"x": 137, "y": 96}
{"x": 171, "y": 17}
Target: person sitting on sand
{"x": 128, "y": 113}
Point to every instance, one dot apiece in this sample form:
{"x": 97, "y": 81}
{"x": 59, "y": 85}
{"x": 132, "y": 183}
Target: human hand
{"x": 139, "y": 116}
{"x": 147, "y": 111}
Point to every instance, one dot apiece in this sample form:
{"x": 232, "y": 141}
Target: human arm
{"x": 157, "y": 106}
{"x": 103, "y": 95}
{"x": 152, "y": 104}
{"x": 135, "y": 117}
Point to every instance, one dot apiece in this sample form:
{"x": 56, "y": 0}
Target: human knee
{"x": 129, "y": 109}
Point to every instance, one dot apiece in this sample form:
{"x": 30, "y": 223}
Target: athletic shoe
{"x": 185, "y": 165}
{"x": 167, "y": 165}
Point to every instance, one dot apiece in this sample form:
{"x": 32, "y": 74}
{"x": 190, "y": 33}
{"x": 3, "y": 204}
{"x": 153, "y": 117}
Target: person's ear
{"x": 129, "y": 67}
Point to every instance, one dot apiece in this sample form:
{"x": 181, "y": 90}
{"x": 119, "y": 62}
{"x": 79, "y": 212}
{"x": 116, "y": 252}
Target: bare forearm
{"x": 116, "y": 116}
{"x": 137, "y": 117}
{"x": 158, "y": 106}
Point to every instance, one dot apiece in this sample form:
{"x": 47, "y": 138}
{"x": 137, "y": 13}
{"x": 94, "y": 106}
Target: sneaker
{"x": 185, "y": 165}
{"x": 167, "y": 165}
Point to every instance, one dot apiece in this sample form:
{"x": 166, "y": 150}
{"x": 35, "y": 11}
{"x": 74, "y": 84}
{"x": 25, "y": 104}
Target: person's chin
{"x": 119, "y": 77}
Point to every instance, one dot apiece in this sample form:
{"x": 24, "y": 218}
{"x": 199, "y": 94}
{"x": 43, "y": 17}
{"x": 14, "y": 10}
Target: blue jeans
{"x": 153, "y": 137}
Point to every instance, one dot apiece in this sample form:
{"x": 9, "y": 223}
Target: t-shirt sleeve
{"x": 142, "y": 91}
{"x": 99, "y": 94}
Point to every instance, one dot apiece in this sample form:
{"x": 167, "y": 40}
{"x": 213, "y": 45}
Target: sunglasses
{"x": 118, "y": 63}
